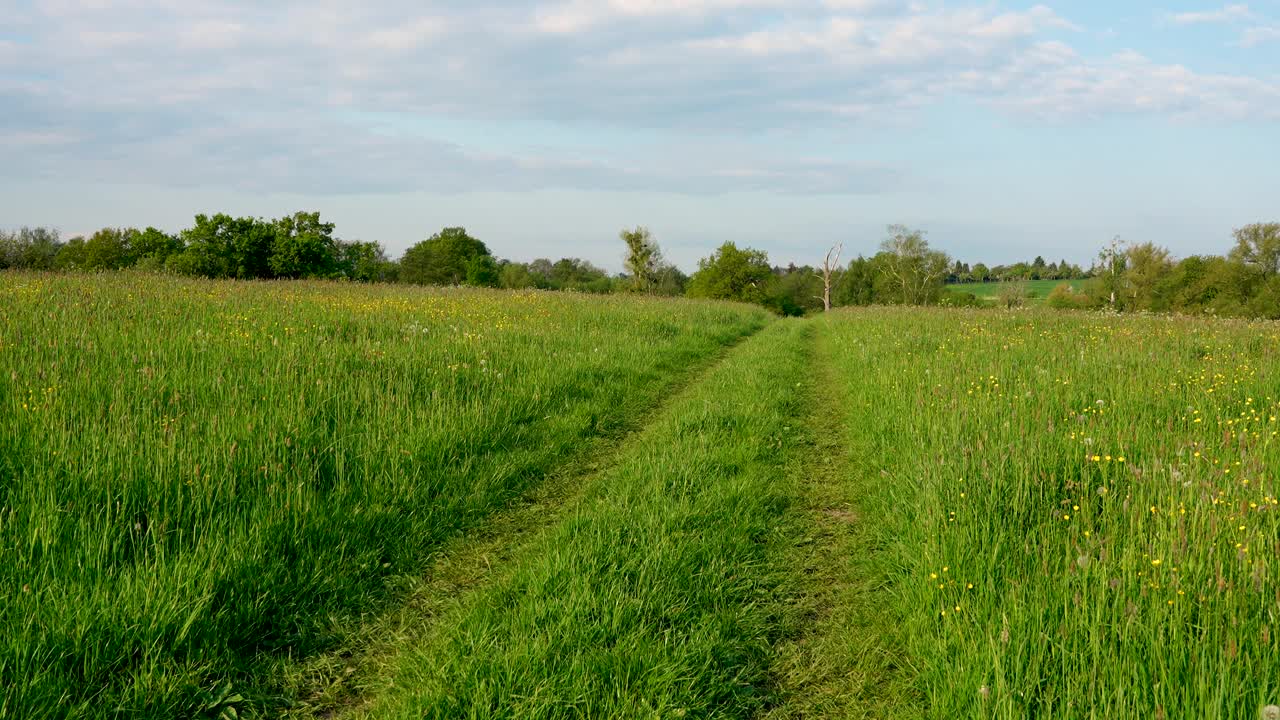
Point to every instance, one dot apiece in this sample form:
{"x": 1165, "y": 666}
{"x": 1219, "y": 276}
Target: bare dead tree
{"x": 829, "y": 266}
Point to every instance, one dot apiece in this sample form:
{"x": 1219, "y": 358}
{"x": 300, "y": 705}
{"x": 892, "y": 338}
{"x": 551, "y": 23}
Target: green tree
{"x": 109, "y": 249}
{"x": 221, "y": 246}
{"x": 671, "y": 281}
{"x": 1258, "y": 245}
{"x": 732, "y": 274}
{"x": 303, "y": 246}
{"x": 912, "y": 271}
{"x": 363, "y": 261}
{"x": 482, "y": 271}
{"x": 981, "y": 273}
{"x": 795, "y": 291}
{"x": 29, "y": 248}
{"x": 857, "y": 284}
{"x": 575, "y": 274}
{"x": 643, "y": 258}
{"x": 1146, "y": 266}
{"x": 152, "y": 247}
{"x": 1112, "y": 261}
{"x": 441, "y": 259}
{"x": 71, "y": 255}
{"x": 515, "y": 276}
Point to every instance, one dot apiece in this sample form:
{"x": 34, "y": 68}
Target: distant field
{"x": 1039, "y": 289}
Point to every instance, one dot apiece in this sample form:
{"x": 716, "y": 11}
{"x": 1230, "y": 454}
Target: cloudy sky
{"x": 1004, "y": 129}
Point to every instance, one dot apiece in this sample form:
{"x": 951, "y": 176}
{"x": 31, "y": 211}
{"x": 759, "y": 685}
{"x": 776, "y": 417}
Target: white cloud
{"x": 258, "y": 94}
{"x": 1260, "y": 35}
{"x": 1225, "y": 14}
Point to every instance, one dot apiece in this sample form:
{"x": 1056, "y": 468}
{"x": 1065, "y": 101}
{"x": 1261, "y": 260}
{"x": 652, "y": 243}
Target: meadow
{"x": 312, "y": 499}
{"x": 199, "y": 478}
{"x": 1037, "y": 290}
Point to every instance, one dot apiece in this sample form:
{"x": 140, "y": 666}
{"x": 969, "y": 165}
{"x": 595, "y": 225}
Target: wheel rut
{"x": 343, "y": 683}
{"x": 835, "y": 659}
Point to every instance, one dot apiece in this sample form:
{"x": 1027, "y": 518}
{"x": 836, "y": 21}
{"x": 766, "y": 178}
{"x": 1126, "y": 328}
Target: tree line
{"x": 905, "y": 270}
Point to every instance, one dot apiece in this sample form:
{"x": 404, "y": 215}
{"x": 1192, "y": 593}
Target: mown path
{"x": 803, "y": 631}
{"x": 342, "y": 683}
{"x": 837, "y": 661}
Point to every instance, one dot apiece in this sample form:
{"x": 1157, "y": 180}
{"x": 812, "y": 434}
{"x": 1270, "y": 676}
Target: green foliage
{"x": 671, "y": 281}
{"x": 857, "y": 284}
{"x": 1064, "y": 297}
{"x": 515, "y": 276}
{"x": 364, "y": 262}
{"x": 733, "y": 274}
{"x": 796, "y": 291}
{"x": 1258, "y": 245}
{"x": 957, "y": 299}
{"x": 1012, "y": 294}
{"x": 643, "y": 260}
{"x": 482, "y": 271}
{"x": 1036, "y": 290}
{"x": 563, "y": 274}
{"x": 303, "y": 247}
{"x": 109, "y": 249}
{"x": 910, "y": 272}
{"x": 70, "y": 256}
{"x": 29, "y": 249}
{"x": 441, "y": 259}
{"x": 154, "y": 246}
{"x": 221, "y": 246}
{"x": 1146, "y": 267}
{"x": 1113, "y": 260}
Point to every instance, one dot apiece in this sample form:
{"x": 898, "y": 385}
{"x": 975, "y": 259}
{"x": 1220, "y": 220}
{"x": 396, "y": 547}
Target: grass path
{"x": 657, "y": 595}
{"x": 838, "y": 661}
{"x": 343, "y": 683}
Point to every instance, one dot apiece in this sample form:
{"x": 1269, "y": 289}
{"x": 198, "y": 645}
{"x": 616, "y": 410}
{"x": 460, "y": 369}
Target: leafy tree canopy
{"x": 731, "y": 273}
{"x": 441, "y": 259}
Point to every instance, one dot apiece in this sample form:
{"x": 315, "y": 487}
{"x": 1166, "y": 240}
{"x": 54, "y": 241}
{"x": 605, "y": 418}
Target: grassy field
{"x": 199, "y": 478}
{"x": 1078, "y": 516}
{"x": 1036, "y": 289}
{"x": 325, "y": 500}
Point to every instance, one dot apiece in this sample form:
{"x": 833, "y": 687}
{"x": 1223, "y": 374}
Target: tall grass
{"x": 657, "y": 596}
{"x": 197, "y": 476}
{"x": 1078, "y": 514}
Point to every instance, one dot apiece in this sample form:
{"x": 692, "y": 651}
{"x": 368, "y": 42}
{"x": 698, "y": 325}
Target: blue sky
{"x": 1004, "y": 129}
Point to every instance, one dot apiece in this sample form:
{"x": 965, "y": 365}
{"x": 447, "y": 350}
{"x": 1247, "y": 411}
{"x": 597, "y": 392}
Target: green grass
{"x": 199, "y": 479}
{"x": 656, "y": 597}
{"x": 418, "y": 503}
{"x": 1036, "y": 289}
{"x": 1079, "y": 513}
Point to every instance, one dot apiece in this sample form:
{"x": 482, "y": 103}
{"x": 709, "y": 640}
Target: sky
{"x": 1005, "y": 130}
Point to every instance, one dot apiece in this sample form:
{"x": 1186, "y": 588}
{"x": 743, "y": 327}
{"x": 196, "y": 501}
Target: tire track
{"x": 342, "y": 683}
